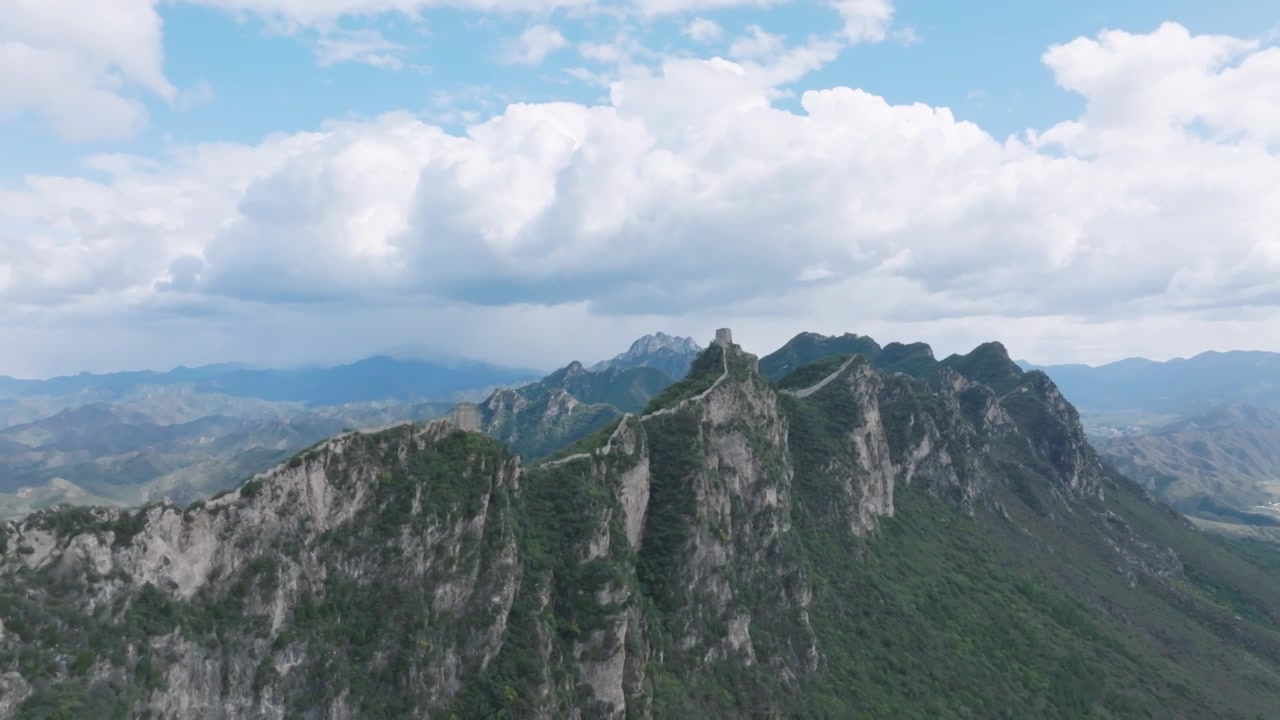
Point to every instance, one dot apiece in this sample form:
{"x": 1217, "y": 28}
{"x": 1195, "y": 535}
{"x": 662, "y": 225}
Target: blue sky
{"x": 1085, "y": 175}
{"x": 981, "y": 59}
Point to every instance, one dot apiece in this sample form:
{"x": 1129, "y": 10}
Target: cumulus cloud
{"x": 1152, "y": 87}
{"x": 691, "y": 193}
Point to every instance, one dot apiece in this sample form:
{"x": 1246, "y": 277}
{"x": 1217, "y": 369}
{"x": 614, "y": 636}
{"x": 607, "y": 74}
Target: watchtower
{"x": 467, "y": 417}
{"x": 724, "y": 337}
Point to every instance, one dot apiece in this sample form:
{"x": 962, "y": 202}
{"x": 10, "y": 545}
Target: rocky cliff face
{"x": 358, "y": 562}
{"x": 535, "y": 426}
{"x": 676, "y": 565}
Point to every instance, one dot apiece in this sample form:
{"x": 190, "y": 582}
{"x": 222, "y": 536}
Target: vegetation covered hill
{"x": 538, "y": 419}
{"x": 807, "y": 348}
{"x": 856, "y": 543}
{"x": 628, "y": 390}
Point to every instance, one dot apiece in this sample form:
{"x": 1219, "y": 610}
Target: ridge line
{"x": 806, "y": 392}
{"x": 608, "y": 444}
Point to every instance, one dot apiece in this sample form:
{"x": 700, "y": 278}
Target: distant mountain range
{"x": 375, "y": 378}
{"x": 1201, "y": 433}
{"x": 125, "y": 438}
{"x": 537, "y": 419}
{"x": 115, "y": 455}
{"x": 1178, "y": 386}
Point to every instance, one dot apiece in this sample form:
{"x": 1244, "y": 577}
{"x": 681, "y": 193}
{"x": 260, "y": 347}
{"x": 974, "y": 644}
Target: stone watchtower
{"x": 466, "y": 416}
{"x": 724, "y": 337}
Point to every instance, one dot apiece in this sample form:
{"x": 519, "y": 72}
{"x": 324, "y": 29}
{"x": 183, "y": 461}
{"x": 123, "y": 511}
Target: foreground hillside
{"x": 935, "y": 541}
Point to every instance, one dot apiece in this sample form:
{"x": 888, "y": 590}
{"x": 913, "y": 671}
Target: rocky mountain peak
{"x": 659, "y": 341}
{"x": 667, "y": 353}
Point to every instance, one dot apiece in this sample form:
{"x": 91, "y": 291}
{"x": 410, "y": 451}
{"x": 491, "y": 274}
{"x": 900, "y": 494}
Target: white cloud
{"x": 81, "y": 64}
{"x": 325, "y": 13}
{"x": 359, "y": 46}
{"x": 702, "y": 30}
{"x": 774, "y": 62}
{"x": 1149, "y": 88}
{"x": 691, "y": 194}
{"x": 534, "y": 45}
{"x": 868, "y": 20}
{"x": 757, "y": 45}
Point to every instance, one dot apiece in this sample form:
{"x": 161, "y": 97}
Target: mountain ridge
{"x": 871, "y": 543}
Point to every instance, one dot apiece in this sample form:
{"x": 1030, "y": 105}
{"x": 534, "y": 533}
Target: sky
{"x": 535, "y": 181}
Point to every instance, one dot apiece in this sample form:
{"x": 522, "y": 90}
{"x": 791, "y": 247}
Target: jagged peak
{"x": 649, "y": 343}
{"x": 503, "y": 397}
{"x": 669, "y": 353}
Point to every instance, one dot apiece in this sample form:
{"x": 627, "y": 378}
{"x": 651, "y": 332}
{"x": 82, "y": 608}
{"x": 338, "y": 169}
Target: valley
{"x": 1202, "y": 434}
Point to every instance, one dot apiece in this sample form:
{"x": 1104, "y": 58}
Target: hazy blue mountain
{"x": 375, "y": 378}
{"x": 1178, "y": 386}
